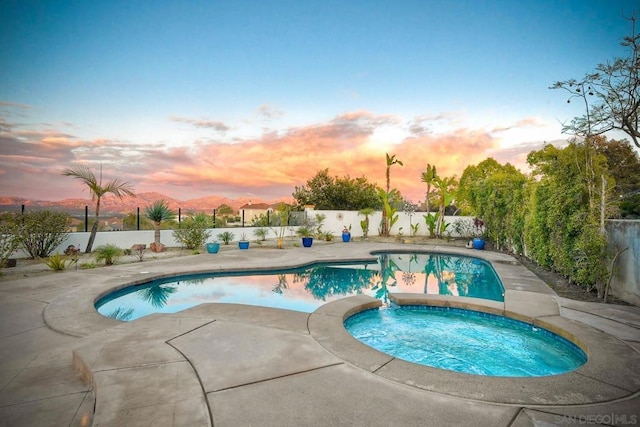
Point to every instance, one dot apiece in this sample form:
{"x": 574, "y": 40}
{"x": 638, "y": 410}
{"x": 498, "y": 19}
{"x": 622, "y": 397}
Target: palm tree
{"x": 158, "y": 212}
{"x": 429, "y": 176}
{"x": 97, "y": 190}
{"x": 364, "y": 224}
{"x": 445, "y": 197}
{"x": 391, "y": 160}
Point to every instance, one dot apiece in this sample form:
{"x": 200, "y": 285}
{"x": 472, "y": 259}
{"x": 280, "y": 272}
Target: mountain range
{"x": 111, "y": 204}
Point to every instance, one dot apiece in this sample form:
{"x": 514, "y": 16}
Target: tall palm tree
{"x": 429, "y": 176}
{"x": 158, "y": 212}
{"x": 97, "y": 190}
{"x": 391, "y": 160}
{"x": 445, "y": 197}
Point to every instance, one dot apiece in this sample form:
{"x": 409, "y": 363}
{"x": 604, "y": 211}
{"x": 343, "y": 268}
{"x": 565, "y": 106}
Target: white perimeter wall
{"x": 334, "y": 222}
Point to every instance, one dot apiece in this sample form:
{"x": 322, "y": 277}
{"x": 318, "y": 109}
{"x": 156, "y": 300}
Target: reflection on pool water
{"x": 305, "y": 289}
{"x": 465, "y": 341}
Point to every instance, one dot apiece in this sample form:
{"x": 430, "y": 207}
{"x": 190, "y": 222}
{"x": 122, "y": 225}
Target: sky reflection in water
{"x": 308, "y": 288}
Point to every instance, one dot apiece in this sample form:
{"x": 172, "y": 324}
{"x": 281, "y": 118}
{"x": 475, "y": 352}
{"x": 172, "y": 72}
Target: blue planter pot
{"x": 213, "y": 248}
{"x": 243, "y": 245}
{"x": 478, "y": 244}
{"x": 346, "y": 237}
{"x": 307, "y": 242}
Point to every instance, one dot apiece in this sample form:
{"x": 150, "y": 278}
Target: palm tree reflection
{"x": 328, "y": 281}
{"x": 282, "y": 284}
{"x": 121, "y": 313}
{"x": 157, "y": 295}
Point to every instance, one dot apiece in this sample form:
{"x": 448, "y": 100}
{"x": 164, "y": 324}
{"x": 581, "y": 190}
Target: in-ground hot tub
{"x": 465, "y": 341}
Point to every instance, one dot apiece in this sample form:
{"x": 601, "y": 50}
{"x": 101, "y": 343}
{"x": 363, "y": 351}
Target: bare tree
{"x": 611, "y": 94}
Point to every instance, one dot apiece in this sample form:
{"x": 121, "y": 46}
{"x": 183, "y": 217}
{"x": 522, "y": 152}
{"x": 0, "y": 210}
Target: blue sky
{"x": 251, "y": 98}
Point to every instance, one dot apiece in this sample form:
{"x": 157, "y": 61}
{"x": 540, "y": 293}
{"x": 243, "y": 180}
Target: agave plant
{"x": 57, "y": 262}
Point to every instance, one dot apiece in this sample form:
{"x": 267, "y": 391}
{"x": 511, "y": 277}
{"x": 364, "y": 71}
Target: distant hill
{"x": 111, "y": 204}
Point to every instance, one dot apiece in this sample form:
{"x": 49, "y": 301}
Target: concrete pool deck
{"x": 231, "y": 365}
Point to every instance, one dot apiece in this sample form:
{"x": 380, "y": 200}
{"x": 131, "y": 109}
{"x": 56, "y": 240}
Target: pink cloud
{"x": 202, "y": 123}
{"x": 269, "y": 166}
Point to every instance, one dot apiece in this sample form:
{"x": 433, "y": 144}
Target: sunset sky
{"x": 251, "y": 98}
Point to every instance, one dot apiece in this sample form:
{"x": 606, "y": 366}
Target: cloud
{"x": 517, "y": 154}
{"x": 204, "y": 124}
{"x": 531, "y": 122}
{"x": 14, "y": 105}
{"x": 269, "y": 112}
{"x": 266, "y": 166}
{"x": 428, "y": 123}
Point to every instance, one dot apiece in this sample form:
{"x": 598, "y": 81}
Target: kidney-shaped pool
{"x": 306, "y": 289}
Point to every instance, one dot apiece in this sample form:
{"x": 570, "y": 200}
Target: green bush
{"x": 193, "y": 232}
{"x": 40, "y": 232}
{"x": 226, "y": 237}
{"x": 9, "y": 239}
{"x": 57, "y": 262}
{"x": 109, "y": 253}
{"x": 261, "y": 233}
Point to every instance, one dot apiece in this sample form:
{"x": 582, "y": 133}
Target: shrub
{"x": 193, "y": 231}
{"x": 226, "y": 237}
{"x": 260, "y": 233}
{"x": 9, "y": 240}
{"x": 108, "y": 253}
{"x": 57, "y": 262}
{"x": 42, "y": 231}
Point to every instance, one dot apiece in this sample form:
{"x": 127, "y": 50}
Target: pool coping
{"x": 591, "y": 383}
{"x": 609, "y": 374}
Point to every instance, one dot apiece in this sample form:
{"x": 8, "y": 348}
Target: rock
{"x": 156, "y": 247}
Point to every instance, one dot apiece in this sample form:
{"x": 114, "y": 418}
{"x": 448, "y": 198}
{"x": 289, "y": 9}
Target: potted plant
{"x": 243, "y": 243}
{"x": 478, "y": 234}
{"x": 306, "y": 233}
{"x": 346, "y": 234}
{"x": 213, "y": 247}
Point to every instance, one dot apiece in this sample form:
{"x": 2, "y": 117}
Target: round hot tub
{"x": 466, "y": 341}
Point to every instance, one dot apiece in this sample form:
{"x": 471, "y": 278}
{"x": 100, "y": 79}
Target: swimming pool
{"x": 465, "y": 341}
{"x": 306, "y": 289}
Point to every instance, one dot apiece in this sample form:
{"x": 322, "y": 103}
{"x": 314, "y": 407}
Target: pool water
{"x": 306, "y": 289}
{"x": 440, "y": 274}
{"x": 302, "y": 290}
{"x": 465, "y": 341}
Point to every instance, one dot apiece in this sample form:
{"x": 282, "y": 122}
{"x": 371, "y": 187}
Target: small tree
{"x": 158, "y": 212}
{"x": 97, "y": 190}
{"x": 224, "y": 209}
{"x": 9, "y": 239}
{"x": 42, "y": 231}
{"x": 281, "y": 221}
{"x": 334, "y": 193}
{"x": 193, "y": 231}
{"x": 364, "y": 224}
